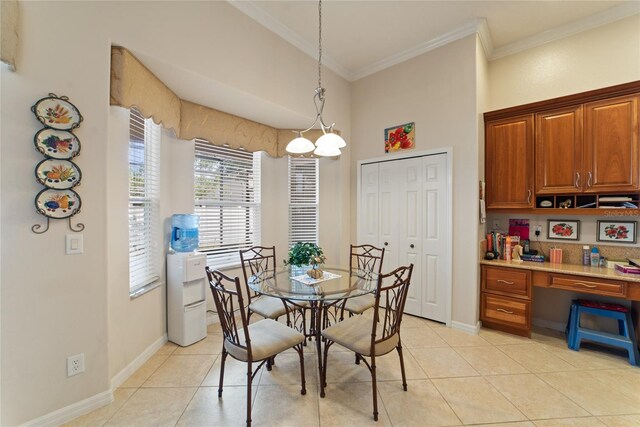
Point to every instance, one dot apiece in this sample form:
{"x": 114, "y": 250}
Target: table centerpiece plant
{"x": 305, "y": 254}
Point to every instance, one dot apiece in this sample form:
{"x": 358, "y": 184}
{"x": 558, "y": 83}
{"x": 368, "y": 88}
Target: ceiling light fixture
{"x": 330, "y": 143}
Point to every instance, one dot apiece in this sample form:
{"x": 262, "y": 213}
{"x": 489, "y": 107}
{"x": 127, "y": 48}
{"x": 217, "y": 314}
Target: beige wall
{"x": 54, "y": 305}
{"x": 437, "y": 90}
{"x": 602, "y": 57}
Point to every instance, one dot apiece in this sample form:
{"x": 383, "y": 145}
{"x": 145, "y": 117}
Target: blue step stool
{"x": 626, "y": 338}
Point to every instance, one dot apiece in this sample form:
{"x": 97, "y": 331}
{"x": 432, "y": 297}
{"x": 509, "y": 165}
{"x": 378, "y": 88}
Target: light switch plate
{"x": 73, "y": 244}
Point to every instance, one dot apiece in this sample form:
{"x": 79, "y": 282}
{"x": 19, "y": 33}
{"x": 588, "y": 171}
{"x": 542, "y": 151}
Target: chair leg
{"x": 323, "y": 376}
{"x": 404, "y": 377}
{"x": 357, "y": 359}
{"x": 224, "y": 358}
{"x": 249, "y": 385}
{"x": 300, "y": 349}
{"x": 269, "y": 364}
{"x": 375, "y": 388}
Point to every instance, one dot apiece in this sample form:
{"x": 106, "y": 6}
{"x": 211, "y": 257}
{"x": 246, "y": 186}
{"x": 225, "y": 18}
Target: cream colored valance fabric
{"x": 223, "y": 128}
{"x": 133, "y": 84}
{"x": 9, "y": 12}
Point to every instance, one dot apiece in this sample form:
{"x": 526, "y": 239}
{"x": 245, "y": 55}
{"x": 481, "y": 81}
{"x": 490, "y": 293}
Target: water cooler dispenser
{"x": 186, "y": 304}
{"x": 186, "y": 283}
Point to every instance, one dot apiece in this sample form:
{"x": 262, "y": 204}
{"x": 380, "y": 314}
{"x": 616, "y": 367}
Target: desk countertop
{"x": 578, "y": 270}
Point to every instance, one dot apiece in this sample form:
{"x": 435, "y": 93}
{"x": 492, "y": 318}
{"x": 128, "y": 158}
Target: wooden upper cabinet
{"x": 558, "y": 165}
{"x": 509, "y": 162}
{"x": 611, "y": 145}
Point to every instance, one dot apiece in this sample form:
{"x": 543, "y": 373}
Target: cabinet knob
{"x": 411, "y": 246}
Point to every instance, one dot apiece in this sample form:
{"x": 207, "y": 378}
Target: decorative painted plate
{"x": 57, "y": 112}
{"x": 58, "y": 174}
{"x": 57, "y": 144}
{"x": 58, "y": 204}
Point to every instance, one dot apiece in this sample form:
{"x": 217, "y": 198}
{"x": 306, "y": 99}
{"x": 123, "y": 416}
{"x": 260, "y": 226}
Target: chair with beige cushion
{"x": 258, "y": 342}
{"x": 259, "y": 259}
{"x": 366, "y": 262}
{"x": 375, "y": 337}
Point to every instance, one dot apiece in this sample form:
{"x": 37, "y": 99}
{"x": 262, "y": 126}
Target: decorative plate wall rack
{"x": 57, "y": 172}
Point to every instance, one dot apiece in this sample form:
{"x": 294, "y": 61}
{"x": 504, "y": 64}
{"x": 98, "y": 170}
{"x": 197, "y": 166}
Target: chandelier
{"x": 330, "y": 143}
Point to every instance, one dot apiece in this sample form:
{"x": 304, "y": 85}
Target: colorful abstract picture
{"x": 616, "y": 231}
{"x": 561, "y": 229}
{"x": 402, "y": 137}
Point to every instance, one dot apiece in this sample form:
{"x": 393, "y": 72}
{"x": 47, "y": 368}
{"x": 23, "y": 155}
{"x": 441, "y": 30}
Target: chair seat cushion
{"x": 268, "y": 307}
{"x": 359, "y": 305}
{"x": 354, "y": 333}
{"x": 268, "y": 338}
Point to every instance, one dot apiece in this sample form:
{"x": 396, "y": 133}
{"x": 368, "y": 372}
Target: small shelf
{"x": 586, "y": 204}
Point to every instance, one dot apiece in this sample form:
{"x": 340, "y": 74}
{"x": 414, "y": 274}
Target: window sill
{"x": 138, "y": 292}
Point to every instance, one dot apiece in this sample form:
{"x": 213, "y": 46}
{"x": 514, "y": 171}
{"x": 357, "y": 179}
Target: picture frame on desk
{"x": 617, "y": 231}
{"x": 563, "y": 229}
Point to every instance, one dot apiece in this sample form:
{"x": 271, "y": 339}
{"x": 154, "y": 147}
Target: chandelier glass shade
{"x": 330, "y": 143}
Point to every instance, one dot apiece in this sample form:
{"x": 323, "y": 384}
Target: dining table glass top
{"x": 337, "y": 283}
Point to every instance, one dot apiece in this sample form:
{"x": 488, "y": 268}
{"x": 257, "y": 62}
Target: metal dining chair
{"x": 258, "y": 342}
{"x": 366, "y": 262}
{"x": 375, "y": 337}
{"x": 261, "y": 259}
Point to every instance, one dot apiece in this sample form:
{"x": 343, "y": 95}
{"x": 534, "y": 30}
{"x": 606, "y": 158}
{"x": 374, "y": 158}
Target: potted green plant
{"x": 303, "y": 254}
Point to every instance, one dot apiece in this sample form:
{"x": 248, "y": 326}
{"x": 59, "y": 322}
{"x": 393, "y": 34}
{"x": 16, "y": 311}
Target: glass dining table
{"x": 319, "y": 295}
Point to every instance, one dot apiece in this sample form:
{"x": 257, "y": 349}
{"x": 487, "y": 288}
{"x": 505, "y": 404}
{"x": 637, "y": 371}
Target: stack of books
{"x": 534, "y": 258}
{"x": 628, "y": 269}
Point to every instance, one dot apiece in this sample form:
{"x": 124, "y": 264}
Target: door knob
{"x": 386, "y": 243}
{"x": 411, "y": 246}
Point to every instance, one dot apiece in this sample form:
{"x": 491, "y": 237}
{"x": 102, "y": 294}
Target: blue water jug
{"x": 184, "y": 232}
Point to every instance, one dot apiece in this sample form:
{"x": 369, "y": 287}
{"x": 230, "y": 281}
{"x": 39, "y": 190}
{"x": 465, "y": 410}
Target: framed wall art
{"x": 563, "y": 229}
{"x": 616, "y": 231}
{"x": 401, "y": 137}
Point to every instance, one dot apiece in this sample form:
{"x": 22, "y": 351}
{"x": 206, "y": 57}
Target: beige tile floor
{"x": 454, "y": 379}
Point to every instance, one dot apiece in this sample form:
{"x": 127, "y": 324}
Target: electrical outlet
{"x": 75, "y": 364}
{"x": 538, "y": 229}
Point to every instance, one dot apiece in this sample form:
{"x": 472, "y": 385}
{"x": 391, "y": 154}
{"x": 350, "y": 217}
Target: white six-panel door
{"x": 404, "y": 208}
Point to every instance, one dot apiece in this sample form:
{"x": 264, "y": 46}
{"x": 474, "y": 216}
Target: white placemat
{"x": 326, "y": 275}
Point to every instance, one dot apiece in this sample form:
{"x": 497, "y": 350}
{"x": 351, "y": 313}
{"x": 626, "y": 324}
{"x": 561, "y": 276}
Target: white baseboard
{"x": 122, "y": 376}
{"x": 543, "y": 323}
{"x": 68, "y": 413}
{"x": 470, "y": 329}
{"x": 72, "y": 411}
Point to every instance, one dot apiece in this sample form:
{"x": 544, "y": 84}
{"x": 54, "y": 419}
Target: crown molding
{"x": 479, "y": 27}
{"x": 251, "y": 9}
{"x": 588, "y": 23}
{"x": 451, "y": 36}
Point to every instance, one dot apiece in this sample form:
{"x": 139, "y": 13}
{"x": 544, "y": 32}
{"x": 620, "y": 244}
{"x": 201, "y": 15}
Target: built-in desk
{"x": 506, "y": 297}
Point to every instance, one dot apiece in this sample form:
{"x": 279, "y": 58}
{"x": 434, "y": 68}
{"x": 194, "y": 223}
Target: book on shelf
{"x": 614, "y": 199}
{"x": 534, "y": 258}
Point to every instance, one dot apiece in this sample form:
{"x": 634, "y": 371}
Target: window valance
{"x": 133, "y": 84}
{"x": 9, "y": 32}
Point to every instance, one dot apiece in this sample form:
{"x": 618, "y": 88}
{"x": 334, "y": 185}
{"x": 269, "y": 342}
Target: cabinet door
{"x": 611, "y": 145}
{"x": 509, "y": 162}
{"x": 558, "y": 164}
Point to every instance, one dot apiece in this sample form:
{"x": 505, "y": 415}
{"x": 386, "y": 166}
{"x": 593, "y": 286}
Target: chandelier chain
{"x": 320, "y": 44}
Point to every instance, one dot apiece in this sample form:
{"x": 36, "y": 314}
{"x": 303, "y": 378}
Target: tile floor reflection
{"x": 454, "y": 379}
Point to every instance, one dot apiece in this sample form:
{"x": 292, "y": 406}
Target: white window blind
{"x": 303, "y": 200}
{"x": 144, "y": 201}
{"x": 227, "y": 199}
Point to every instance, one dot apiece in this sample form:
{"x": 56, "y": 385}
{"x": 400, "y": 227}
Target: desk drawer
{"x": 504, "y": 310}
{"x": 508, "y": 281}
{"x": 589, "y": 286}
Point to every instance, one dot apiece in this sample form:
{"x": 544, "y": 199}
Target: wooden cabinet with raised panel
{"x": 509, "y": 162}
{"x": 558, "y": 142}
{"x": 505, "y": 299}
{"x": 611, "y": 145}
